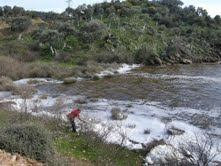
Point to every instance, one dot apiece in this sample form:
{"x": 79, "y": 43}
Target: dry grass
{"x": 15, "y": 69}
{"x": 4, "y": 25}
{"x": 11, "y": 68}
{"x": 6, "y": 84}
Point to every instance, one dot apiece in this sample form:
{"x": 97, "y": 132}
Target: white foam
{"x": 38, "y": 80}
{"x": 142, "y": 116}
{"x": 180, "y": 77}
{"x": 5, "y": 94}
{"x": 124, "y": 69}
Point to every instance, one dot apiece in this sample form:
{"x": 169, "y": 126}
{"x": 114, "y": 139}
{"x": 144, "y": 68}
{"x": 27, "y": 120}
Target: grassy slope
{"x": 132, "y": 31}
{"x": 80, "y": 146}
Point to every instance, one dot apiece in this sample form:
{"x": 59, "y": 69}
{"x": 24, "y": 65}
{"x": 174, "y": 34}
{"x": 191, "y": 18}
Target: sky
{"x": 212, "y": 6}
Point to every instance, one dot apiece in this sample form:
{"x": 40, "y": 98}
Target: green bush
{"x": 20, "y": 24}
{"x": 93, "y": 30}
{"x": 29, "y": 140}
{"x": 146, "y": 55}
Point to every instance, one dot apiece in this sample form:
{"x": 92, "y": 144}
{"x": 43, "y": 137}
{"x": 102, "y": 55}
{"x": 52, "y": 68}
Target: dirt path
{"x": 7, "y": 159}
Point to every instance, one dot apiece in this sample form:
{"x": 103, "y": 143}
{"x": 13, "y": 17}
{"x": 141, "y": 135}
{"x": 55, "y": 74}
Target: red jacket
{"x": 74, "y": 114}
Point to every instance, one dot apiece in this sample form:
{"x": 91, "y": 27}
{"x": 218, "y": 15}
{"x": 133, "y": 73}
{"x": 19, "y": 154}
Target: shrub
{"x": 201, "y": 151}
{"x": 118, "y": 114}
{"x": 146, "y": 55}
{"x": 10, "y": 67}
{"x": 20, "y": 24}
{"x": 93, "y": 30}
{"x": 49, "y": 40}
{"x": 16, "y": 70}
{"x": 106, "y": 57}
{"x": 29, "y": 140}
{"x": 15, "y": 49}
{"x": 6, "y": 84}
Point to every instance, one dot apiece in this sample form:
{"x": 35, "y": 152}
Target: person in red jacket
{"x": 75, "y": 113}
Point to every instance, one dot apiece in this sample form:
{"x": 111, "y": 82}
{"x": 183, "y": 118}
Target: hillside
{"x": 132, "y": 31}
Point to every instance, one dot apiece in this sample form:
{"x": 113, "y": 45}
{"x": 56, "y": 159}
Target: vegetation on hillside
{"x": 131, "y": 31}
{"x": 50, "y": 142}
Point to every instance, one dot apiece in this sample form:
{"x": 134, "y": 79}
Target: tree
{"x": 81, "y": 12}
{"x": 66, "y": 29}
{"x": 18, "y": 11}
{"x": 217, "y": 19}
{"x": 89, "y": 12}
{"x": 110, "y": 11}
{"x": 1, "y": 11}
{"x": 7, "y": 10}
{"x": 135, "y": 2}
{"x": 189, "y": 14}
{"x": 98, "y": 10}
{"x": 201, "y": 12}
{"x": 172, "y": 3}
{"x": 69, "y": 12}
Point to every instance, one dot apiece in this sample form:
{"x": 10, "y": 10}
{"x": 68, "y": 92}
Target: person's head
{"x": 78, "y": 106}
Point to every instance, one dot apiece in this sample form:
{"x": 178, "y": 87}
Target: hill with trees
{"x": 133, "y": 31}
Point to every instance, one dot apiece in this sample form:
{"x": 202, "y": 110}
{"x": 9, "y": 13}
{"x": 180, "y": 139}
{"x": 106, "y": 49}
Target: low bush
{"x": 6, "y": 84}
{"x": 147, "y": 55}
{"x": 15, "y": 69}
{"x": 20, "y": 24}
{"x": 30, "y": 140}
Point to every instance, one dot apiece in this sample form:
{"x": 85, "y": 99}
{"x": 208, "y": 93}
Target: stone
{"x": 118, "y": 114}
{"x": 95, "y": 78}
{"x": 175, "y": 131}
{"x": 148, "y": 147}
{"x": 158, "y": 61}
{"x": 161, "y": 154}
{"x": 186, "y": 61}
{"x": 80, "y": 101}
{"x": 70, "y": 80}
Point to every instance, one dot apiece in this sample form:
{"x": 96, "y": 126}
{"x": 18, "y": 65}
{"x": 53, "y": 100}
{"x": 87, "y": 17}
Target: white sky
{"x": 212, "y": 6}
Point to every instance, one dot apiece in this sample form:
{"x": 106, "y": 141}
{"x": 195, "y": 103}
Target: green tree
{"x": 7, "y": 10}
{"x": 18, "y": 11}
{"x": 1, "y": 11}
{"x": 217, "y": 19}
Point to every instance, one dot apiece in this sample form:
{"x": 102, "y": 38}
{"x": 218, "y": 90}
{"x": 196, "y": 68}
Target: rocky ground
{"x": 7, "y": 159}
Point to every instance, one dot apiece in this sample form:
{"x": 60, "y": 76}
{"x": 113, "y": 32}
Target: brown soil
{"x": 7, "y": 159}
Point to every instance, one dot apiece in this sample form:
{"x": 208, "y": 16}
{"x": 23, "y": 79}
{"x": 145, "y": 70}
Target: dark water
{"x": 191, "y": 86}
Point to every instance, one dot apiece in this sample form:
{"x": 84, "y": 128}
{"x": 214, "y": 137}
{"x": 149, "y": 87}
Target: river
{"x": 187, "y": 97}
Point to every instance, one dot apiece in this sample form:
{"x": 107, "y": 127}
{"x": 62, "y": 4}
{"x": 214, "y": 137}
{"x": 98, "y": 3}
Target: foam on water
{"x": 124, "y": 69}
{"x": 5, "y": 94}
{"x": 38, "y": 81}
{"x": 180, "y": 77}
{"x": 142, "y": 116}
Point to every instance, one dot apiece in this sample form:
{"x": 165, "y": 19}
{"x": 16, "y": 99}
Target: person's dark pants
{"x": 73, "y": 125}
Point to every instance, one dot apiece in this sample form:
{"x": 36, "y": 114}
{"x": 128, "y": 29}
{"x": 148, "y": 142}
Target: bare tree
{"x": 200, "y": 152}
